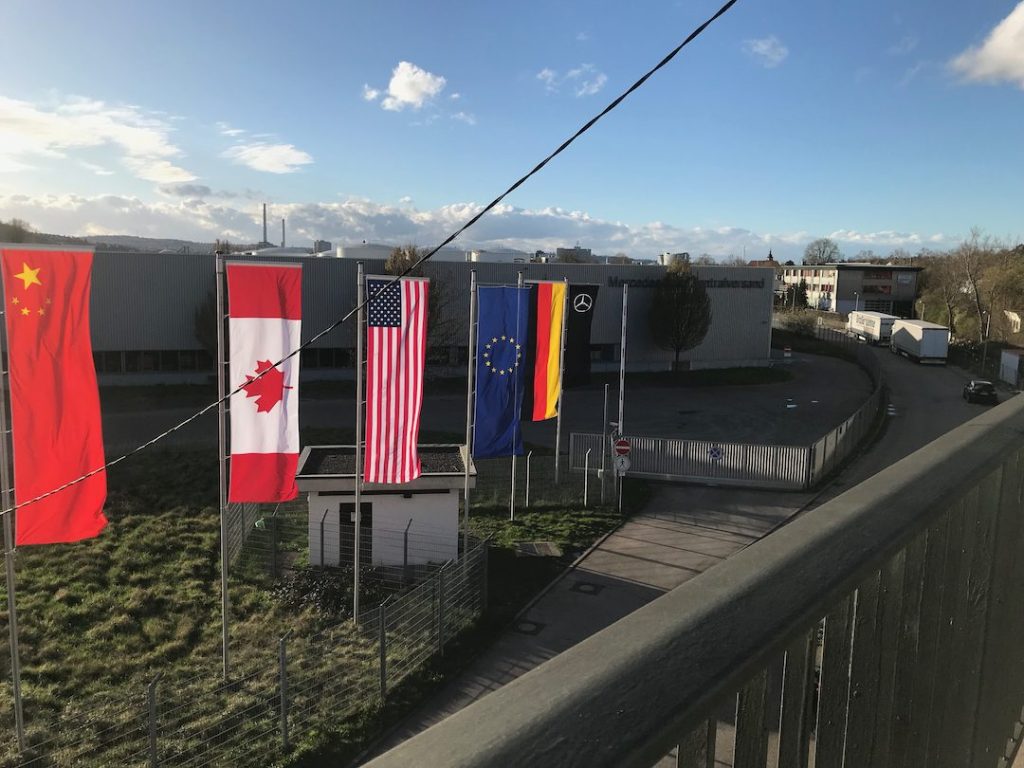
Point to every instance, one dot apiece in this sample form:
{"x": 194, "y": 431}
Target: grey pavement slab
{"x": 684, "y": 531}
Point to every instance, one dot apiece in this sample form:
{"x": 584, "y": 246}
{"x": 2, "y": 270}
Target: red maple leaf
{"x": 268, "y": 389}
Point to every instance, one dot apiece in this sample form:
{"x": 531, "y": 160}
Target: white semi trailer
{"x": 920, "y": 340}
{"x": 872, "y": 327}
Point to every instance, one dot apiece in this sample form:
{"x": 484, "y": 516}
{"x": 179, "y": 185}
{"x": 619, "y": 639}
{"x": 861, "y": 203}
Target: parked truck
{"x": 920, "y": 340}
{"x": 872, "y": 327}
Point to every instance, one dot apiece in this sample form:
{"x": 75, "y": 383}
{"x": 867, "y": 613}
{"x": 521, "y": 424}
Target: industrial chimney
{"x": 264, "y": 224}
{"x": 282, "y": 233}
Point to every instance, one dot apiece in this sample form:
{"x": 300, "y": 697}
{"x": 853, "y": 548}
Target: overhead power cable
{"x": 425, "y": 257}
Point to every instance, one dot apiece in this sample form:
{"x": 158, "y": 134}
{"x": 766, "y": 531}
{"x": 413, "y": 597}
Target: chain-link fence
{"x": 280, "y": 689}
{"x": 531, "y": 480}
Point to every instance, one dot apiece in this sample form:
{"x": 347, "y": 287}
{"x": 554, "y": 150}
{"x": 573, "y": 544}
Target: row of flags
{"x": 55, "y": 411}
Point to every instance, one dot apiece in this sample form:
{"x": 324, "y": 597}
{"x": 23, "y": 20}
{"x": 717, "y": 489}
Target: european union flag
{"x": 500, "y": 365}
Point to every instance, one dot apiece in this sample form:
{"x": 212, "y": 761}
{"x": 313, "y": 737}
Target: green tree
{"x": 15, "y": 231}
{"x": 822, "y": 251}
{"x": 680, "y": 313}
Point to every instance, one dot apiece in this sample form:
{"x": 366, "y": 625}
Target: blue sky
{"x": 881, "y": 124}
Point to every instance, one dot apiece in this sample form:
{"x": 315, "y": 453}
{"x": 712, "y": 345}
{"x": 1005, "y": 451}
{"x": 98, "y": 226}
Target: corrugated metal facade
{"x": 145, "y": 301}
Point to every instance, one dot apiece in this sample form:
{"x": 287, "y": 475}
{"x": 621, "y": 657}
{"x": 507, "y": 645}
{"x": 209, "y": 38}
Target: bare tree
{"x": 705, "y": 260}
{"x": 440, "y": 322}
{"x": 680, "y": 313}
{"x": 969, "y": 259}
{"x": 822, "y": 251}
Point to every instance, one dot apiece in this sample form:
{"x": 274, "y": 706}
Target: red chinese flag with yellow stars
{"x": 55, "y": 405}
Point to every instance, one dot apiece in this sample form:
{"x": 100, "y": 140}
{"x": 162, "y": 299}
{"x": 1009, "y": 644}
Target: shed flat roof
{"x": 333, "y": 468}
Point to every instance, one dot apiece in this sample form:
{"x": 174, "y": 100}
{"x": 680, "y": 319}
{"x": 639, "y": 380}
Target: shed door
{"x": 347, "y": 530}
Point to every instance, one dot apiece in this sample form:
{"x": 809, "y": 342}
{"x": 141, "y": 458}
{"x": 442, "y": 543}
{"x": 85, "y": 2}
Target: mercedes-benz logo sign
{"x": 583, "y": 302}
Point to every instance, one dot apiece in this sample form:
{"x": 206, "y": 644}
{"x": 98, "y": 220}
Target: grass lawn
{"x": 98, "y": 619}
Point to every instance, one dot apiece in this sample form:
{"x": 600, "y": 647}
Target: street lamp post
{"x": 856, "y": 301}
{"x": 984, "y": 347}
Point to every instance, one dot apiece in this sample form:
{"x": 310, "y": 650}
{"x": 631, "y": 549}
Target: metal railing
{"x": 884, "y": 628}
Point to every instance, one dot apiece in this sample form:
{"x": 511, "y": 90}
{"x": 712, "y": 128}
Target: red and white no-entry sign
{"x": 622, "y": 447}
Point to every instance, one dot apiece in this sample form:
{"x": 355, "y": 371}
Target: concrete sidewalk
{"x": 683, "y": 532}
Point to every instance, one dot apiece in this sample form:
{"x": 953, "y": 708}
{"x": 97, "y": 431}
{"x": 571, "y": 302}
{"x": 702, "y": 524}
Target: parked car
{"x": 980, "y": 392}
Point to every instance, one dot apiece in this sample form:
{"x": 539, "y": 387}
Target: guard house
{"x": 428, "y": 508}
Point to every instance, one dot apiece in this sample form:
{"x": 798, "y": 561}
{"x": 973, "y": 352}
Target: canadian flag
{"x": 265, "y": 317}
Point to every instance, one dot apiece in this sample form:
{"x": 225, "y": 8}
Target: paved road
{"x": 684, "y": 531}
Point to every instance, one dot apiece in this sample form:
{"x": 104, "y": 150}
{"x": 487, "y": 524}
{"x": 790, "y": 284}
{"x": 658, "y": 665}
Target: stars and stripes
{"x": 396, "y": 347}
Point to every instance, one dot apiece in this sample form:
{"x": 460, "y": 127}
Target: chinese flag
{"x": 55, "y": 406}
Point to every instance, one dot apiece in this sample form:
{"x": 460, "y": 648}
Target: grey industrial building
{"x": 144, "y": 313}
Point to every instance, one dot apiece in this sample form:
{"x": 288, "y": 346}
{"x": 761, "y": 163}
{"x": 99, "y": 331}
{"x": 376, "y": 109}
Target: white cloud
{"x": 99, "y": 170}
{"x": 455, "y": 96}
{"x": 582, "y": 37}
{"x": 905, "y": 45}
{"x": 592, "y": 85}
{"x": 30, "y": 132}
{"x": 585, "y": 80}
{"x": 370, "y": 94}
{"x": 549, "y": 77}
{"x": 272, "y": 158}
{"x": 410, "y": 86}
{"x": 226, "y": 130}
{"x": 405, "y": 200}
{"x": 768, "y": 51}
{"x": 508, "y": 226}
{"x": 1000, "y": 57}
{"x": 465, "y": 117}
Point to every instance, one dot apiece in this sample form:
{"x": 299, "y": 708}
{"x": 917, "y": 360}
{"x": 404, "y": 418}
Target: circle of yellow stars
{"x": 29, "y": 277}
{"x": 488, "y": 359}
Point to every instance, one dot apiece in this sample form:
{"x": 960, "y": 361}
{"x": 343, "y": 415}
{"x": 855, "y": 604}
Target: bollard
{"x": 151, "y": 698}
{"x": 586, "y": 475}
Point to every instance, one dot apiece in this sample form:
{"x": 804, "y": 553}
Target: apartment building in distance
{"x": 845, "y": 288}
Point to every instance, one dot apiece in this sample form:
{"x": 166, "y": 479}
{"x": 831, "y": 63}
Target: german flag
{"x": 543, "y": 351}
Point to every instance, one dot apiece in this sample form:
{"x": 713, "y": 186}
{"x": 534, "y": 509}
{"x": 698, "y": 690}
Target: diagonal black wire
{"x": 448, "y": 240}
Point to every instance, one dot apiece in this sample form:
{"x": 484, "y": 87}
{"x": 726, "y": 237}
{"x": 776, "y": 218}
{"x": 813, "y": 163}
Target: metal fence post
{"x": 282, "y": 659}
{"x": 383, "y": 638}
{"x": 484, "y": 548}
{"x": 273, "y": 545}
{"x": 529, "y": 455}
{"x": 586, "y": 475}
{"x": 151, "y": 699}
{"x": 440, "y": 609}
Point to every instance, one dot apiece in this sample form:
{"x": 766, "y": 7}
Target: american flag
{"x": 396, "y": 349}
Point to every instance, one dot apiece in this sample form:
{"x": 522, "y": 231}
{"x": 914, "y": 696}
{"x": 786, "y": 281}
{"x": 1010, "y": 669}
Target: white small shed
{"x": 424, "y": 512}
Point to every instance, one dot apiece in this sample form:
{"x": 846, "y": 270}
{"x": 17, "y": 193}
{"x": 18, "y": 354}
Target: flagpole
{"x": 12, "y": 623}
{"x": 470, "y": 389}
{"x": 561, "y": 382}
{"x": 512, "y": 495}
{"x": 360, "y": 295}
{"x": 222, "y": 452}
{"x": 622, "y": 356}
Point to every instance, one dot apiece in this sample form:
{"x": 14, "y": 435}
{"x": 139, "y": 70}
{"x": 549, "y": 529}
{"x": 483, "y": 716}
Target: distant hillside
{"x": 15, "y": 231}
{"x": 156, "y": 244}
